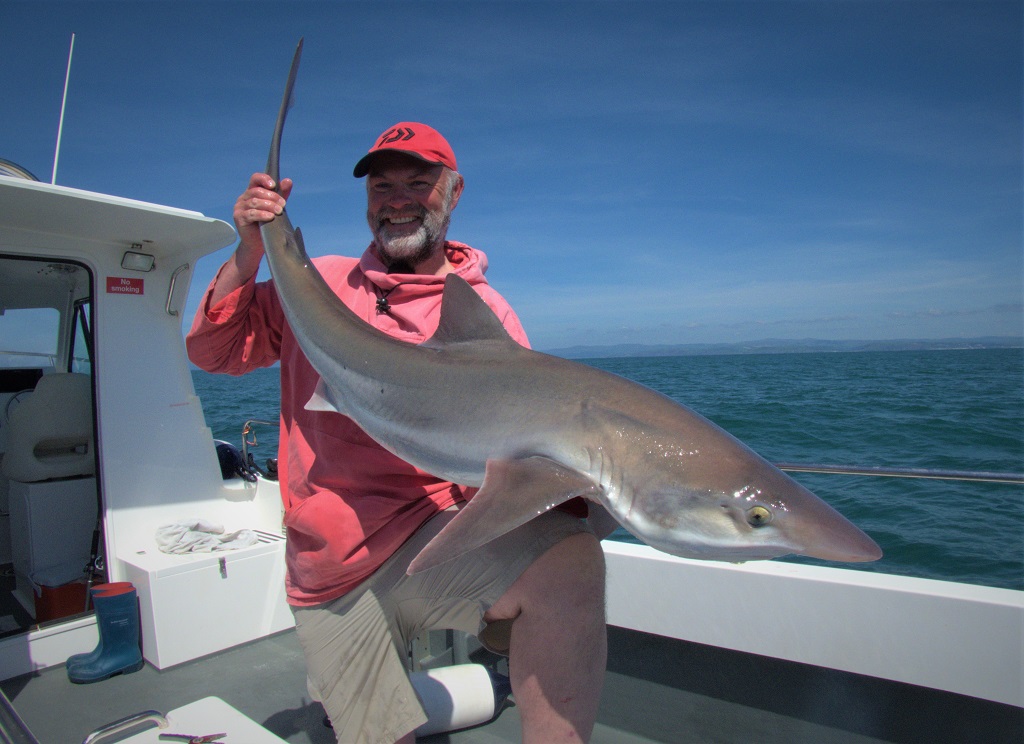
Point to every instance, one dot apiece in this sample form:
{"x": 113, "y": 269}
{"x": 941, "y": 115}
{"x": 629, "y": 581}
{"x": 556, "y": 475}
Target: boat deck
{"x": 657, "y": 690}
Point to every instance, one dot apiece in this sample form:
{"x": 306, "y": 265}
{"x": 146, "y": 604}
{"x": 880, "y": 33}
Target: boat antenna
{"x": 63, "y": 103}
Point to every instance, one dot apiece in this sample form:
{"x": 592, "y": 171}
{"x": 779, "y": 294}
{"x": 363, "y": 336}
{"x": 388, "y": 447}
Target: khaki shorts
{"x": 356, "y": 646}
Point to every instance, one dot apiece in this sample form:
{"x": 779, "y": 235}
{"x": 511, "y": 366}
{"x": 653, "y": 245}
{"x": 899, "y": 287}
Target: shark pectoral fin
{"x": 513, "y": 493}
{"x": 324, "y": 399}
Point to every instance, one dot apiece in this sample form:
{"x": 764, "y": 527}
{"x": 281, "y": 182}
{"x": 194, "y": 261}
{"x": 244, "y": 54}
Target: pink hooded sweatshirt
{"x": 349, "y": 503}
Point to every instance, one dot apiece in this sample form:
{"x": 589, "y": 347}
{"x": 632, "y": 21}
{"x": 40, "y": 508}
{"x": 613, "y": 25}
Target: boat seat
{"x": 50, "y": 434}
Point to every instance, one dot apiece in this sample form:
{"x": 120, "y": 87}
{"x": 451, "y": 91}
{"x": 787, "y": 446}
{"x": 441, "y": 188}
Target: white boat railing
{"x": 961, "y": 638}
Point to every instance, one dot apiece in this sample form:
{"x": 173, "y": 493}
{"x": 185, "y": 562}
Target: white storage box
{"x": 200, "y": 603}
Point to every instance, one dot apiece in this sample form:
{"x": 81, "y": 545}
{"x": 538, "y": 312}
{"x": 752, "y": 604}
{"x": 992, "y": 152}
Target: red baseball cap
{"x": 411, "y": 138}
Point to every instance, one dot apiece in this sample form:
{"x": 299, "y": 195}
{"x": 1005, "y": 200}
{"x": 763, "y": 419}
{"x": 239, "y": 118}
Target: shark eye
{"x": 758, "y": 516}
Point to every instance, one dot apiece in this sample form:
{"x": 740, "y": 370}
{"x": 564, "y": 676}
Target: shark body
{"x": 532, "y": 431}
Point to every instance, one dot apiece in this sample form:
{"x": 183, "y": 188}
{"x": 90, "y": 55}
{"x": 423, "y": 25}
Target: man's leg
{"x": 545, "y": 558}
{"x": 357, "y": 670}
{"x": 559, "y": 644}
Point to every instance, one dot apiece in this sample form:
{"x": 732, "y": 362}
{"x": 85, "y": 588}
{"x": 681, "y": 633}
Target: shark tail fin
{"x": 274, "y": 159}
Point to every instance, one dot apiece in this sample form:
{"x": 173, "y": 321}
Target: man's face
{"x": 409, "y": 206}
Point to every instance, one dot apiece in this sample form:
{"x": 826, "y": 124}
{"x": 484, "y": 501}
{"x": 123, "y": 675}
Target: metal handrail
{"x": 980, "y": 476}
{"x": 170, "y": 289}
{"x": 125, "y": 724}
{"x": 13, "y": 730}
{"x": 246, "y": 429}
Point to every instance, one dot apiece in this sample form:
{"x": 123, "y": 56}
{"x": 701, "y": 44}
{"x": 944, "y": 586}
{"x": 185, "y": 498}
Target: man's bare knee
{"x": 577, "y": 569}
{"x": 569, "y": 576}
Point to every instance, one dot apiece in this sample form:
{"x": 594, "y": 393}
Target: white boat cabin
{"x": 103, "y": 439}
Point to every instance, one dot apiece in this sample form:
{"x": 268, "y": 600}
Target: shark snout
{"x": 822, "y": 532}
{"x": 851, "y": 546}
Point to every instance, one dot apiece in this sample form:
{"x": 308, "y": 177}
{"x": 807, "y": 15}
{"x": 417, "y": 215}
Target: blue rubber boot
{"x": 117, "y": 617}
{"x": 100, "y": 590}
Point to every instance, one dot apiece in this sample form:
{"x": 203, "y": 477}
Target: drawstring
{"x": 383, "y": 306}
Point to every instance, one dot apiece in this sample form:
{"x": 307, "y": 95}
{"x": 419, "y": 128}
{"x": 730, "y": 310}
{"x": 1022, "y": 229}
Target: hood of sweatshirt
{"x": 469, "y": 263}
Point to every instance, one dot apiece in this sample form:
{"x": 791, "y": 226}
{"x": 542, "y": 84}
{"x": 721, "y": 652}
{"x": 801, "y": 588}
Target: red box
{"x": 53, "y": 602}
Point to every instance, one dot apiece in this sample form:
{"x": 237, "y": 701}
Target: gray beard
{"x": 411, "y": 250}
{"x": 416, "y": 248}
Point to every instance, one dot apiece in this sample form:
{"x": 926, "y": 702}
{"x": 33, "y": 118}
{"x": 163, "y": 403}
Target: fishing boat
{"x": 111, "y": 445}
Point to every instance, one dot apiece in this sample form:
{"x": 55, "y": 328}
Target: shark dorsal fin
{"x": 465, "y": 317}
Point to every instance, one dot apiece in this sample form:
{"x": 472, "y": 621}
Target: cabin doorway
{"x": 50, "y": 517}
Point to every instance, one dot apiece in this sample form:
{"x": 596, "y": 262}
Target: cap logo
{"x": 396, "y": 134}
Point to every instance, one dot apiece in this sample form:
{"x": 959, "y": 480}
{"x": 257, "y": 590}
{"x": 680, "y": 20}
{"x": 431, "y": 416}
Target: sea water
{"x": 955, "y": 410}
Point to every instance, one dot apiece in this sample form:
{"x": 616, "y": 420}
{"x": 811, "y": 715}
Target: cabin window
{"x": 30, "y": 338}
{"x": 45, "y": 315}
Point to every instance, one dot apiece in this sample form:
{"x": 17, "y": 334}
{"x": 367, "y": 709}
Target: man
{"x": 357, "y": 515}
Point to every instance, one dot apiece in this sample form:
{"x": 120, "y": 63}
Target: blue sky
{"x": 677, "y": 172}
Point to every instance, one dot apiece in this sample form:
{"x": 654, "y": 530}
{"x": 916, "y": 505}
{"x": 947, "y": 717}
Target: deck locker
{"x": 198, "y": 604}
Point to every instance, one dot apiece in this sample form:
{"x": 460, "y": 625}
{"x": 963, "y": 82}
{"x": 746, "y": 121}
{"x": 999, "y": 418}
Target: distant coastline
{"x": 784, "y": 346}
